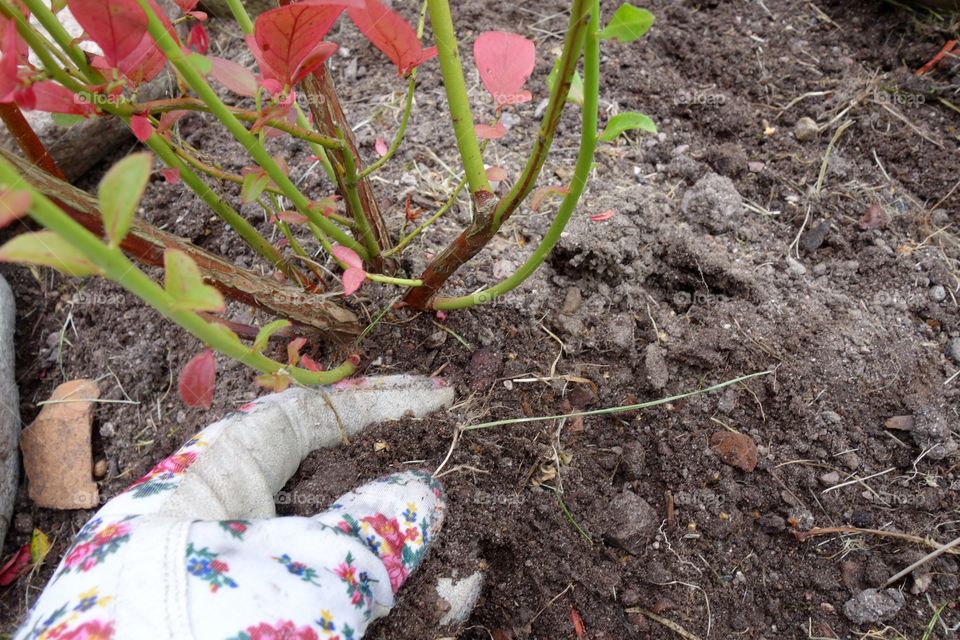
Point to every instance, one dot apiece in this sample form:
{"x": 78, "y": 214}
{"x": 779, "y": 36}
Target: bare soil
{"x": 739, "y": 245}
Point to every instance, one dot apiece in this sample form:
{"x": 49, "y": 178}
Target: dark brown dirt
{"x": 688, "y": 285}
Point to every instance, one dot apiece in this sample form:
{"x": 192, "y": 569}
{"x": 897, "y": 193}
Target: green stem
{"x": 240, "y": 15}
{"x": 219, "y": 206}
{"x": 317, "y": 149}
{"x": 351, "y": 180}
{"x": 428, "y": 222}
{"x": 456, "y": 89}
{"x": 403, "y": 282}
{"x": 398, "y": 139}
{"x": 588, "y": 145}
{"x": 64, "y": 40}
{"x": 205, "y": 92}
{"x": 573, "y": 44}
{"x": 118, "y": 268}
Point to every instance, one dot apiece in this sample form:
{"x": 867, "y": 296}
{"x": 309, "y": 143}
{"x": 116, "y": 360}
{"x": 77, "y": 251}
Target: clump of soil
{"x": 741, "y": 244}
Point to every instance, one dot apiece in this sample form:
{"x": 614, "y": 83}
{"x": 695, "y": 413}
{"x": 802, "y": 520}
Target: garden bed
{"x": 741, "y": 243}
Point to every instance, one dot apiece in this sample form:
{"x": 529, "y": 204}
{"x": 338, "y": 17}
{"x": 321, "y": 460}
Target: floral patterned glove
{"x": 193, "y": 549}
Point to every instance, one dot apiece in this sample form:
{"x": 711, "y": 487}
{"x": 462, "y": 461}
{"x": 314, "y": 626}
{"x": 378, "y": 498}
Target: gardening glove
{"x": 194, "y": 550}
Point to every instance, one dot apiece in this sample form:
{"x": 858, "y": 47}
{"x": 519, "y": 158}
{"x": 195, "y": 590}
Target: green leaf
{"x": 184, "y": 282}
{"x": 264, "y": 335}
{"x": 620, "y": 124}
{"x": 576, "y": 84}
{"x": 48, "y": 249}
{"x": 254, "y": 185}
{"x": 120, "y": 193}
{"x": 66, "y": 120}
{"x": 39, "y": 546}
{"x": 201, "y": 63}
{"x": 628, "y": 24}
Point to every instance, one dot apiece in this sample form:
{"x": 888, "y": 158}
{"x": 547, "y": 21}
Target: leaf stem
{"x": 398, "y": 138}
{"x": 240, "y": 15}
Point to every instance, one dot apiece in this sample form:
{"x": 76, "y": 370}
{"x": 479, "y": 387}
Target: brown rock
{"x": 736, "y": 449}
{"x": 57, "y": 455}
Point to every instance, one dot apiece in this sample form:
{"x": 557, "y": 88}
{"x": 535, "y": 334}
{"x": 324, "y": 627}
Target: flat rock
{"x": 736, "y": 449}
{"x": 871, "y": 606}
{"x": 57, "y": 454}
{"x": 630, "y": 520}
{"x": 9, "y": 410}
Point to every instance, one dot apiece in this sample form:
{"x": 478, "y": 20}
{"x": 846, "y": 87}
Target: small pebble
{"x": 953, "y": 349}
{"x": 806, "y": 129}
{"x": 108, "y": 430}
{"x": 830, "y": 478}
{"x": 938, "y": 293}
{"x": 795, "y": 267}
{"x": 100, "y": 468}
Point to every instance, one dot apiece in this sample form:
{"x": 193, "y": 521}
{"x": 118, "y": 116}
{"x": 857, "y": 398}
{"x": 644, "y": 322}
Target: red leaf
{"x": 140, "y": 124}
{"x": 15, "y": 53}
{"x": 603, "y": 217}
{"x": 392, "y": 35}
{"x": 577, "y": 621}
{"x": 352, "y": 279}
{"x": 53, "y": 98}
{"x": 15, "y": 566}
{"x": 198, "y": 39}
{"x": 13, "y": 205}
{"x": 310, "y": 364}
{"x": 288, "y": 41}
{"x": 117, "y": 26}
{"x": 488, "y": 132}
{"x": 380, "y": 145}
{"x": 198, "y": 380}
{"x": 347, "y": 256}
{"x": 541, "y": 193}
{"x": 171, "y": 175}
{"x": 234, "y": 77}
{"x": 187, "y": 5}
{"x": 505, "y": 61}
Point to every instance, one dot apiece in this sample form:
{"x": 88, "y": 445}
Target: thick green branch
{"x": 455, "y": 86}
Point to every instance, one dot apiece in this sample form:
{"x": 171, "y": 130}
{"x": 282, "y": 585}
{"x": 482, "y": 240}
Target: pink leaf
{"x": 392, "y": 35}
{"x": 140, "y": 124}
{"x": 234, "y": 77}
{"x": 488, "y": 132}
{"x": 505, "y": 61}
{"x": 170, "y": 118}
{"x": 198, "y": 380}
{"x": 288, "y": 41}
{"x": 293, "y": 350}
{"x": 541, "y": 193}
{"x": 352, "y": 279}
{"x": 187, "y": 5}
{"x": 292, "y": 217}
{"x": 496, "y": 174}
{"x": 198, "y": 40}
{"x": 381, "y": 146}
{"x": 603, "y": 217}
{"x": 171, "y": 175}
{"x": 117, "y": 26}
{"x": 13, "y": 205}
{"x": 347, "y": 256}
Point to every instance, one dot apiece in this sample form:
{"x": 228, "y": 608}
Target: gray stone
{"x": 459, "y": 597}
{"x": 938, "y": 293}
{"x": 830, "y": 478}
{"x": 871, "y": 606}
{"x": 953, "y": 349}
{"x": 714, "y": 202}
{"x": 657, "y": 373}
{"x": 795, "y": 266}
{"x": 932, "y": 433}
{"x": 9, "y": 410}
{"x": 630, "y": 520}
